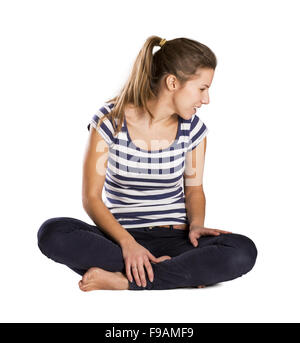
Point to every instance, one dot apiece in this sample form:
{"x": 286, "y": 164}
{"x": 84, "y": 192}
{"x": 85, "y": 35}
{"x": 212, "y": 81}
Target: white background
{"x": 61, "y": 60}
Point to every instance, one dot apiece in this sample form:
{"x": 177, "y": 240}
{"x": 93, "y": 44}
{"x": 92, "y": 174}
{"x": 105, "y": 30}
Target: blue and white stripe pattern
{"x": 145, "y": 188}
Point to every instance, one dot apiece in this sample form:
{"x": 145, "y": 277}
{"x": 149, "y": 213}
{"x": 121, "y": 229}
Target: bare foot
{"x": 201, "y": 286}
{"x": 97, "y": 278}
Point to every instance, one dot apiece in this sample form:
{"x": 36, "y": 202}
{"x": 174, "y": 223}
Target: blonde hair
{"x": 180, "y": 57}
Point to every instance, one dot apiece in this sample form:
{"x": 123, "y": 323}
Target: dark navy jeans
{"x": 81, "y": 246}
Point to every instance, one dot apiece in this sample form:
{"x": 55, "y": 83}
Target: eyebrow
{"x": 206, "y": 85}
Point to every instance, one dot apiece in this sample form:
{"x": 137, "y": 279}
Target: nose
{"x": 205, "y": 101}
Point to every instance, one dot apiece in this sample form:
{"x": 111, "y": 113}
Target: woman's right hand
{"x": 136, "y": 257}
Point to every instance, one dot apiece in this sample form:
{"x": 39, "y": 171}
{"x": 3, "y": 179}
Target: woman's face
{"x": 193, "y": 94}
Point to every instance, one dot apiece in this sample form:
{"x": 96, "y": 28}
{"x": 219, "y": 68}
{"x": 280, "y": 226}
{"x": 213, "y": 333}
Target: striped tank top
{"x": 145, "y": 188}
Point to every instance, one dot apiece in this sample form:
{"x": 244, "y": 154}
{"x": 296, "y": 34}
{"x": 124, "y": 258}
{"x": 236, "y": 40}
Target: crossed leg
{"x": 84, "y": 248}
{"x": 215, "y": 259}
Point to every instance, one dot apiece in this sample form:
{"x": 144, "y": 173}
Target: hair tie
{"x": 162, "y": 42}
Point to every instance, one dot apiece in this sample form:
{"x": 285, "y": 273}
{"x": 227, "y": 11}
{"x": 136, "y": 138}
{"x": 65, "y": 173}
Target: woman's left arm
{"x": 194, "y": 195}
{"x": 195, "y": 207}
{"x": 193, "y": 184}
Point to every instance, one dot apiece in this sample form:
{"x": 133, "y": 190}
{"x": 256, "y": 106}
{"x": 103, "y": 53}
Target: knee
{"x": 245, "y": 252}
{"x": 47, "y": 235}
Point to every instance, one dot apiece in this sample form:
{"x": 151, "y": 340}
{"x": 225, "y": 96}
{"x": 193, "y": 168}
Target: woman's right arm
{"x": 93, "y": 177}
{"x": 94, "y": 170}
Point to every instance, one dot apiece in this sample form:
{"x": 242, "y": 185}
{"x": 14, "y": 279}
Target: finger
{"x": 149, "y": 270}
{"x": 128, "y": 272}
{"x": 195, "y": 235}
{"x": 223, "y": 231}
{"x": 142, "y": 274}
{"x": 163, "y": 258}
{"x": 212, "y": 232}
{"x": 194, "y": 242}
{"x": 218, "y": 230}
{"x": 152, "y": 258}
{"x": 136, "y": 275}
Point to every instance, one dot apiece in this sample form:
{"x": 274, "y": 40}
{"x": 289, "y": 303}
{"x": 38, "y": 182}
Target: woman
{"x": 147, "y": 147}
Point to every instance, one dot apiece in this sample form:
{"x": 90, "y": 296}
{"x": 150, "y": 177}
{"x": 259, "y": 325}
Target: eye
{"x": 203, "y": 89}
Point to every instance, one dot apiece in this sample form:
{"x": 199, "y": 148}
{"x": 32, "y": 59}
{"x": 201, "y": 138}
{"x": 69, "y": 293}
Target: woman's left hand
{"x": 196, "y": 231}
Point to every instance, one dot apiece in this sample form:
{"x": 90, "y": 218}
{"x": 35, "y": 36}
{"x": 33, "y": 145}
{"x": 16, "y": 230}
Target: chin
{"x": 194, "y": 111}
{"x": 188, "y": 116}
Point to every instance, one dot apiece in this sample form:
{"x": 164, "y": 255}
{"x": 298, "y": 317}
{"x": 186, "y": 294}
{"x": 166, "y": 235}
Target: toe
{"x": 87, "y": 287}
{"x": 89, "y": 275}
{"x": 85, "y": 277}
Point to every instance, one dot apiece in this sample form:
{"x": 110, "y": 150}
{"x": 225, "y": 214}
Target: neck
{"x": 162, "y": 112}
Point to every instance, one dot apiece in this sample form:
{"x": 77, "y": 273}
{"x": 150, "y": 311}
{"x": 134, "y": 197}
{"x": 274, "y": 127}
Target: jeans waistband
{"x": 171, "y": 227}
